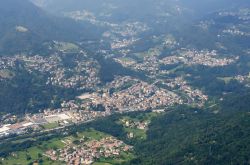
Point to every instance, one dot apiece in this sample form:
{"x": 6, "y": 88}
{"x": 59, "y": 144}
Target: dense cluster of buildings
{"x": 7, "y": 62}
{"x": 17, "y": 128}
{"x": 234, "y": 31}
{"x": 124, "y": 94}
{"x": 237, "y": 29}
{"x": 118, "y": 44}
{"x": 137, "y": 96}
{"x": 61, "y": 117}
{"x": 194, "y": 57}
{"x": 150, "y": 65}
{"x": 87, "y": 152}
{"x": 83, "y": 75}
{"x": 194, "y": 96}
{"x": 243, "y": 79}
{"x": 242, "y": 14}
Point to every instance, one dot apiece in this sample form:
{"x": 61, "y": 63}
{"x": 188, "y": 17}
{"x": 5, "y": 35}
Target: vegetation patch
{"x": 6, "y": 74}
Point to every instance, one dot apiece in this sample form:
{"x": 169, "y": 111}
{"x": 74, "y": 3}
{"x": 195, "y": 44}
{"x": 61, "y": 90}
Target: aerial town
{"x": 124, "y": 82}
{"x": 123, "y": 94}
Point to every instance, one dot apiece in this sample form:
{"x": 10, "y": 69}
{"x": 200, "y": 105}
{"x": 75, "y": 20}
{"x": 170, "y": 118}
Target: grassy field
{"x": 127, "y": 59}
{"x": 28, "y": 157}
{"x": 6, "y": 74}
{"x": 91, "y": 134}
{"x": 34, "y": 153}
{"x": 51, "y": 125}
{"x": 138, "y": 133}
{"x": 226, "y": 79}
{"x": 176, "y": 68}
{"x": 101, "y": 163}
{"x": 156, "y": 51}
{"x": 142, "y": 117}
{"x": 124, "y": 157}
{"x": 55, "y": 143}
{"x": 66, "y": 47}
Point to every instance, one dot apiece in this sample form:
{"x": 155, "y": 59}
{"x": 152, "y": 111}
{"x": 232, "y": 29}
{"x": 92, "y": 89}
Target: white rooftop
{"x": 4, "y": 128}
{"x": 27, "y": 124}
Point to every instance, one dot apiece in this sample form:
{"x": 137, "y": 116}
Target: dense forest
{"x": 193, "y": 136}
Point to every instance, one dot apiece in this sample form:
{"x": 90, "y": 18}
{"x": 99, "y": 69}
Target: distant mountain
{"x": 115, "y": 10}
{"x": 224, "y": 30}
{"x": 208, "y": 6}
{"x": 163, "y": 16}
{"x": 132, "y": 7}
{"x": 24, "y": 27}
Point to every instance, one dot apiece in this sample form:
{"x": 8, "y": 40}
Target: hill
{"x": 24, "y": 27}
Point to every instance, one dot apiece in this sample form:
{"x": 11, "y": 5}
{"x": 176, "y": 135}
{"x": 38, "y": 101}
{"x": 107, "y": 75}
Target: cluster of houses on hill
{"x": 87, "y": 152}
